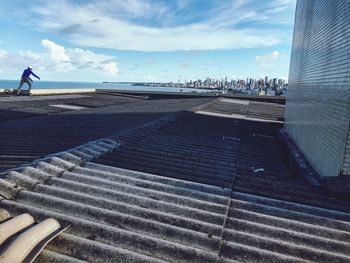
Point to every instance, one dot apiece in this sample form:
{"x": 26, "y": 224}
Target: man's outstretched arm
{"x": 35, "y": 75}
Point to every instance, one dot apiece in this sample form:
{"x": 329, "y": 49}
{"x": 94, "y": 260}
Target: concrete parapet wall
{"x": 165, "y": 94}
{"x": 55, "y": 91}
{"x": 60, "y": 91}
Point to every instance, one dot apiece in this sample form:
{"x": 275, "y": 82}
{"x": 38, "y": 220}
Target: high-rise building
{"x": 274, "y": 83}
{"x": 318, "y": 103}
{"x": 279, "y": 82}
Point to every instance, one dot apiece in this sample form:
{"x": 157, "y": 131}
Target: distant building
{"x": 318, "y": 102}
{"x": 274, "y": 83}
{"x": 280, "y": 82}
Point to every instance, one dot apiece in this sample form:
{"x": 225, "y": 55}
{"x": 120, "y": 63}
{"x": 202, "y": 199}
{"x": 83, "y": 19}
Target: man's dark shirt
{"x": 27, "y": 73}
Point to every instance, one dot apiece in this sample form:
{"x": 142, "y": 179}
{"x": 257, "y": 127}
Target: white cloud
{"x": 87, "y": 59}
{"x": 184, "y": 65}
{"x": 57, "y": 52}
{"x": 286, "y": 2}
{"x": 79, "y": 59}
{"x": 97, "y": 25}
{"x": 211, "y": 63}
{"x": 149, "y": 78}
{"x": 266, "y": 66}
{"x": 58, "y": 59}
{"x": 268, "y": 57}
{"x": 132, "y": 8}
{"x": 111, "y": 68}
{"x": 181, "y": 4}
{"x": 150, "y": 61}
{"x": 3, "y": 53}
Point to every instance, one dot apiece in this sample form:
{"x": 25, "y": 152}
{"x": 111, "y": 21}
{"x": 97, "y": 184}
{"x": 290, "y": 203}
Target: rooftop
{"x": 164, "y": 180}
{"x": 32, "y": 127}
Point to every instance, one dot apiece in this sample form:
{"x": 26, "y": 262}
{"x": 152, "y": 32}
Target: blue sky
{"x": 146, "y": 40}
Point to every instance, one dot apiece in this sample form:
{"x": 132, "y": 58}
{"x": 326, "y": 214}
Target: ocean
{"x": 39, "y": 84}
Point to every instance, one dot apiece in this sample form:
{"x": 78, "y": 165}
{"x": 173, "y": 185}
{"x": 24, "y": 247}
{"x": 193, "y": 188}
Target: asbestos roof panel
{"x": 183, "y": 188}
{"x": 34, "y": 128}
{"x": 251, "y": 110}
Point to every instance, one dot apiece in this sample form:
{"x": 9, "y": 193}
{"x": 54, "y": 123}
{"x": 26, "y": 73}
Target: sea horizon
{"x": 41, "y": 84}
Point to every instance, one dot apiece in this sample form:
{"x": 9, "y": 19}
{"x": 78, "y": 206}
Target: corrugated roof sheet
{"x": 245, "y": 109}
{"x": 30, "y": 128}
{"x": 187, "y": 188}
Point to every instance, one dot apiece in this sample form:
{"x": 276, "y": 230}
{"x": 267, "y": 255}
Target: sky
{"x": 146, "y": 40}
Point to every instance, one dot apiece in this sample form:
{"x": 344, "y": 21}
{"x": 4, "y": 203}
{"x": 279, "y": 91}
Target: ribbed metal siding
{"x": 346, "y": 167}
{"x": 318, "y": 103}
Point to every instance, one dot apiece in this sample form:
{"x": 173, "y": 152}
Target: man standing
{"x": 26, "y": 78}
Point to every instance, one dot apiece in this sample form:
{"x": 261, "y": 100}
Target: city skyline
{"x": 146, "y": 41}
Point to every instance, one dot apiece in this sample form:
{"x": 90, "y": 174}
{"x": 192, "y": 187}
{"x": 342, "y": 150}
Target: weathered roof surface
{"x": 22, "y": 239}
{"x": 32, "y": 127}
{"x": 245, "y": 109}
{"x": 184, "y": 188}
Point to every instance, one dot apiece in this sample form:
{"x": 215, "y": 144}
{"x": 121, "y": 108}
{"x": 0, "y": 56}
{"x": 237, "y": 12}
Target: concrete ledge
{"x": 57, "y": 91}
{"x": 213, "y": 94}
{"x": 237, "y": 116}
{"x": 60, "y": 91}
